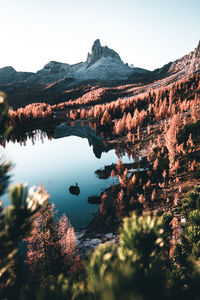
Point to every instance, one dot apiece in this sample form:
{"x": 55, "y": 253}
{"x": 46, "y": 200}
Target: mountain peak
{"x": 197, "y": 49}
{"x": 9, "y": 69}
{"x": 97, "y": 44}
{"x": 98, "y": 51}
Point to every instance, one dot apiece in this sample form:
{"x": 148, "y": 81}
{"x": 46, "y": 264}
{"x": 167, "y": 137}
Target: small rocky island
{"x": 74, "y": 189}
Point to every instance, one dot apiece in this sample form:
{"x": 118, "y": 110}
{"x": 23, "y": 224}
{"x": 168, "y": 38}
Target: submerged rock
{"x": 94, "y": 199}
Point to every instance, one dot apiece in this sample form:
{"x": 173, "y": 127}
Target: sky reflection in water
{"x": 57, "y": 164}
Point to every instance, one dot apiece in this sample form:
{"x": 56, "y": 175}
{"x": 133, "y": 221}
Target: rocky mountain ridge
{"x": 188, "y": 64}
{"x": 103, "y": 66}
{"x": 9, "y": 75}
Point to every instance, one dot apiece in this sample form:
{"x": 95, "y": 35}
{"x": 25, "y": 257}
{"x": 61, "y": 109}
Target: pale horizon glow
{"x": 145, "y": 33}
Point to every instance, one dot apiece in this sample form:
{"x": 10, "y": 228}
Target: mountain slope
{"x": 103, "y": 67}
{"x": 9, "y": 75}
{"x": 102, "y": 64}
{"x": 188, "y": 64}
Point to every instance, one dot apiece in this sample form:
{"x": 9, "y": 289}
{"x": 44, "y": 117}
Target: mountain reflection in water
{"x": 58, "y": 158}
{"x": 79, "y": 129}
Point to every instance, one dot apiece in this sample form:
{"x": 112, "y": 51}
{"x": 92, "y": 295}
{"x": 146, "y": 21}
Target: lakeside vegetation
{"x": 158, "y": 128}
{"x": 157, "y": 255}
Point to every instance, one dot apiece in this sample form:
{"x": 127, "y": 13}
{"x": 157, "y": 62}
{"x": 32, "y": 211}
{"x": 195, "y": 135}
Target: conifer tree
{"x": 15, "y": 221}
{"x": 44, "y": 250}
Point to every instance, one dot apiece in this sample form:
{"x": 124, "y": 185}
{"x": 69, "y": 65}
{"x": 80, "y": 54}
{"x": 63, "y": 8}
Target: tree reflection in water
{"x": 21, "y": 136}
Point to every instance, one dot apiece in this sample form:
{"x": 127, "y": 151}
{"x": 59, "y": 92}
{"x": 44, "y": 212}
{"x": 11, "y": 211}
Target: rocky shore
{"x": 87, "y": 243}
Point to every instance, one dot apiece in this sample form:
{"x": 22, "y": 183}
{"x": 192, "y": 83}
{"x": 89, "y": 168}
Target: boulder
{"x": 74, "y": 189}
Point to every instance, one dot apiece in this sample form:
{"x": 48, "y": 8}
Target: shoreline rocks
{"x": 86, "y": 243}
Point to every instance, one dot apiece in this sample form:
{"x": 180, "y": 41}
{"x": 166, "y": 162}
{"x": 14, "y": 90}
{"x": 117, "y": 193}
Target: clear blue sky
{"x": 147, "y": 33}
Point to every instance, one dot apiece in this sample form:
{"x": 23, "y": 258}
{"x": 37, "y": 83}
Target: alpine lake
{"x": 69, "y": 155}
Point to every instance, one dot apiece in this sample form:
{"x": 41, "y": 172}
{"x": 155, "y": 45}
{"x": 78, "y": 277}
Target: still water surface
{"x": 57, "y": 164}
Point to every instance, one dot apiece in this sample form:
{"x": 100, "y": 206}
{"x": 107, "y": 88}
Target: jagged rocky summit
{"x": 102, "y": 64}
{"x": 98, "y": 52}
